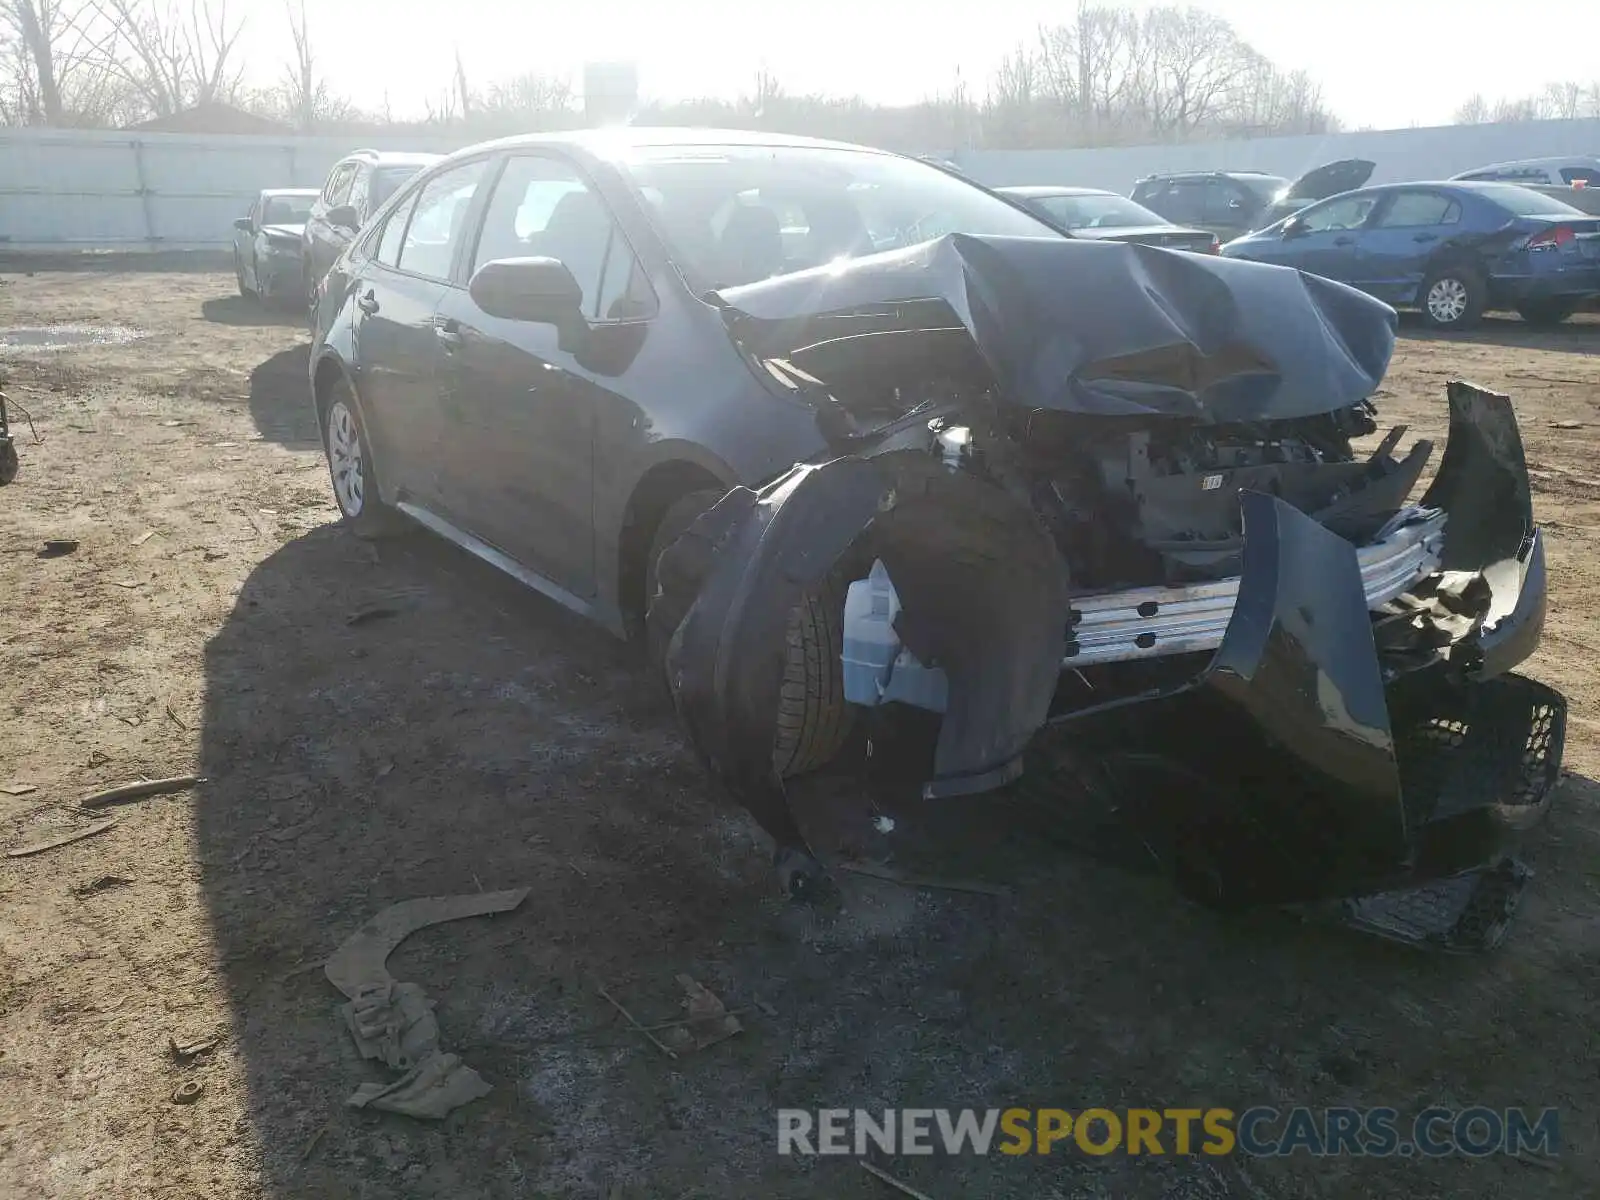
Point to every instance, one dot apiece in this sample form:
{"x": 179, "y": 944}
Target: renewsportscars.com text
{"x": 1258, "y": 1132}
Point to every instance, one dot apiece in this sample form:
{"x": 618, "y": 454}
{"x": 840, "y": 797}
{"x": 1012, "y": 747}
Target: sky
{"x": 1381, "y": 63}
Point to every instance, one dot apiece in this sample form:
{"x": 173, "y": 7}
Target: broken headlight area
{"x": 1209, "y": 621}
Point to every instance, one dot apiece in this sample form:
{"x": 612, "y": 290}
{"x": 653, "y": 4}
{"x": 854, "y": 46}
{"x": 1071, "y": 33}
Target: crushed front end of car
{"x": 1098, "y": 507}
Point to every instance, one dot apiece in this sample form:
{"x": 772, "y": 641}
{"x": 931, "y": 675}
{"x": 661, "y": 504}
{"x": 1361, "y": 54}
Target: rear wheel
{"x": 1546, "y": 313}
{"x": 10, "y": 464}
{"x": 1453, "y": 297}
{"x": 350, "y": 463}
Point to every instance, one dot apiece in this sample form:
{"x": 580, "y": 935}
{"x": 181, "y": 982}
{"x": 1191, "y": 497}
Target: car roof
{"x": 1563, "y": 160}
{"x": 395, "y": 158}
{"x": 1044, "y": 189}
{"x": 617, "y": 142}
{"x": 1209, "y": 175}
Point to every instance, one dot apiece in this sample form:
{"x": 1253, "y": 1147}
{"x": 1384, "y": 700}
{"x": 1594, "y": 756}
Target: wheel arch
{"x": 662, "y": 484}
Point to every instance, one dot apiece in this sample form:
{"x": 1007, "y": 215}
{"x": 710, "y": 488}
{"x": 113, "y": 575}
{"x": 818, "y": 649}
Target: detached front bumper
{"x": 1354, "y": 744}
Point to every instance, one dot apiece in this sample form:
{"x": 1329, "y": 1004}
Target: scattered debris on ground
{"x": 393, "y": 1022}
{"x": 101, "y": 883}
{"x": 141, "y": 790}
{"x": 65, "y": 839}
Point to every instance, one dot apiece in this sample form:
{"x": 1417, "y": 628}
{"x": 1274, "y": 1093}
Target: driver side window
{"x": 544, "y": 208}
{"x": 1348, "y": 212}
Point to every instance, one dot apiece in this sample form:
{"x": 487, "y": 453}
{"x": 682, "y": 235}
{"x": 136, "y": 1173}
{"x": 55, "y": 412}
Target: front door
{"x": 1322, "y": 240}
{"x": 522, "y": 402}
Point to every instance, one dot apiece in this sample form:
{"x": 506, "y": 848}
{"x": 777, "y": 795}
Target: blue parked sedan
{"x": 1450, "y": 250}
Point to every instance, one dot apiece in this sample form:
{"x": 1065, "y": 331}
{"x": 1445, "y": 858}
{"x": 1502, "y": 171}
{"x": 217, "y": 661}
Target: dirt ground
{"x": 479, "y": 738}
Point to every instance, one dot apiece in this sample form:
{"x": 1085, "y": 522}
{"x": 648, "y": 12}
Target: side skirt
{"x": 502, "y": 561}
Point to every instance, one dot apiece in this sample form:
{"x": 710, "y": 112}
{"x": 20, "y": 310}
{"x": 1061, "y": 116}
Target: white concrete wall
{"x": 122, "y": 190}
{"x": 1400, "y": 155}
{"x": 101, "y": 190}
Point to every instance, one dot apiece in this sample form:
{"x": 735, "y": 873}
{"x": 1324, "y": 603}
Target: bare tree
{"x": 52, "y": 56}
{"x": 176, "y": 57}
{"x": 304, "y": 96}
{"x": 463, "y": 90}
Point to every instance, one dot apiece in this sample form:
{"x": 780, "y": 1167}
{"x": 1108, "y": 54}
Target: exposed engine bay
{"x": 1098, "y": 507}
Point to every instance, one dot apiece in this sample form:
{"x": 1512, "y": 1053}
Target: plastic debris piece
{"x": 431, "y": 1090}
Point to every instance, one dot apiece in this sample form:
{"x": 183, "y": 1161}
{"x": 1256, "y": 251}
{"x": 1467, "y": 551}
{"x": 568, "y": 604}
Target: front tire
{"x": 10, "y": 464}
{"x": 1453, "y": 297}
{"x": 238, "y": 274}
{"x": 1546, "y": 314}
{"x": 352, "y": 469}
{"x": 813, "y": 719}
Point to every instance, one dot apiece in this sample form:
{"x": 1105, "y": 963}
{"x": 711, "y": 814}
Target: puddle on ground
{"x": 17, "y": 338}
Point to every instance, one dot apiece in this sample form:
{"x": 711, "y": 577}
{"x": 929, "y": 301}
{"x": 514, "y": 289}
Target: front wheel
{"x": 1453, "y": 297}
{"x": 10, "y": 464}
{"x": 1546, "y": 313}
{"x": 238, "y": 274}
{"x": 813, "y": 718}
{"x": 350, "y": 463}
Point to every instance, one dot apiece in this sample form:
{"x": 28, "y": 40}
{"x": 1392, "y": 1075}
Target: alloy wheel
{"x": 345, "y": 458}
{"x": 1447, "y": 300}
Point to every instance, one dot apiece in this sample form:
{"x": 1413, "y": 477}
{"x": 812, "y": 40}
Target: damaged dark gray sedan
{"x": 864, "y": 437}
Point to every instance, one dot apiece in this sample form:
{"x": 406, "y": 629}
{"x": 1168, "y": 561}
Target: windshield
{"x": 738, "y": 214}
{"x": 286, "y": 210}
{"x": 1096, "y": 212}
{"x": 1524, "y": 202}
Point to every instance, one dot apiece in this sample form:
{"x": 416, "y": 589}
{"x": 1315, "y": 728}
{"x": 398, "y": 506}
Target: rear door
{"x": 1228, "y": 209}
{"x": 1393, "y": 251}
{"x": 521, "y": 405}
{"x": 396, "y": 346}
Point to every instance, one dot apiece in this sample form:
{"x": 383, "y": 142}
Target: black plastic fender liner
{"x": 984, "y": 595}
{"x": 746, "y": 562}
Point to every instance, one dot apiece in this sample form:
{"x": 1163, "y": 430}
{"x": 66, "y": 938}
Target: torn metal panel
{"x": 1093, "y": 328}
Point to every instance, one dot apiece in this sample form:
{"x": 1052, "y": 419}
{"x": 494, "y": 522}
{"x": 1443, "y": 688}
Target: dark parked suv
{"x": 1005, "y": 476}
{"x": 355, "y": 189}
{"x": 1232, "y": 203}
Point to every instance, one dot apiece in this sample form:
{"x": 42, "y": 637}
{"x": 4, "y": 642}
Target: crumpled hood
{"x": 1101, "y": 328}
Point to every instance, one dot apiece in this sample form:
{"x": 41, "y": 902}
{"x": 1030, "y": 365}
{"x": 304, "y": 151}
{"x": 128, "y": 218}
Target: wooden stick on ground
{"x": 138, "y": 791}
{"x": 890, "y": 875}
{"x": 880, "y": 1173}
{"x": 659, "y": 1044}
{"x": 77, "y": 835}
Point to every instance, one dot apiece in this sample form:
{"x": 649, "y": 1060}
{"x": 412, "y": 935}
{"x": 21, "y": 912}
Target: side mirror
{"x": 542, "y": 290}
{"x": 1294, "y": 227}
{"x": 345, "y": 217}
{"x": 243, "y": 224}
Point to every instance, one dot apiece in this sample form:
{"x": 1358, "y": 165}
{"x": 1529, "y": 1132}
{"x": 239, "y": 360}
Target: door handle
{"x": 1425, "y": 237}
{"x": 368, "y": 303}
{"x": 448, "y": 333}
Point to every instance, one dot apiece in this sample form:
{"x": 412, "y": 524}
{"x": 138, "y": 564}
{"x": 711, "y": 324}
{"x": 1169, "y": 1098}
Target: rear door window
{"x": 438, "y": 222}
{"x": 338, "y": 187}
{"x": 393, "y": 233}
{"x": 1587, "y": 176}
{"x": 1225, "y": 202}
{"x": 1410, "y": 209}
